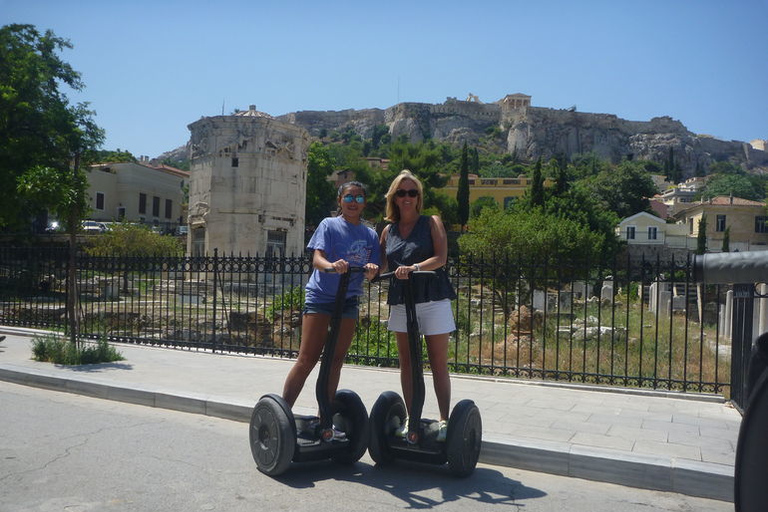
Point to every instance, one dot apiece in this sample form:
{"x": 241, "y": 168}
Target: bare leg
{"x": 437, "y": 348}
{"x": 346, "y": 333}
{"x": 314, "y": 329}
{"x": 404, "y": 355}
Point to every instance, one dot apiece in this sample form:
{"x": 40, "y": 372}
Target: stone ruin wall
{"x": 237, "y": 206}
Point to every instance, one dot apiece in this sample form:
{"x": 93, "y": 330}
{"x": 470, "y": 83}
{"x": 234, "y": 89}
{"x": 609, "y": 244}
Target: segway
{"x": 279, "y": 437}
{"x": 461, "y": 448}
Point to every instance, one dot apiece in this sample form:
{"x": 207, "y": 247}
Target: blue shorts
{"x": 351, "y": 308}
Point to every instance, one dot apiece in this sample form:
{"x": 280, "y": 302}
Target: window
{"x": 761, "y": 224}
{"x": 99, "y": 200}
{"x": 630, "y": 232}
{"x": 168, "y": 208}
{"x": 652, "y": 232}
{"x": 235, "y": 161}
{"x": 142, "y": 203}
{"x": 276, "y": 244}
{"x": 509, "y": 201}
{"x": 155, "y": 206}
{"x": 720, "y": 223}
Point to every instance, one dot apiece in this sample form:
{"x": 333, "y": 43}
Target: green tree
{"x": 701, "y": 237}
{"x": 118, "y": 156}
{"x": 321, "y": 195}
{"x": 727, "y": 240}
{"x": 537, "y": 185}
{"x": 738, "y": 185}
{"x": 528, "y": 238}
{"x": 481, "y": 204}
{"x": 624, "y": 189}
{"x": 42, "y": 136}
{"x": 127, "y": 240}
{"x": 462, "y": 194}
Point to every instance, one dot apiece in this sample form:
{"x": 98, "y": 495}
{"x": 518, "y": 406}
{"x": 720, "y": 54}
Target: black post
{"x": 741, "y": 341}
{"x": 215, "y": 298}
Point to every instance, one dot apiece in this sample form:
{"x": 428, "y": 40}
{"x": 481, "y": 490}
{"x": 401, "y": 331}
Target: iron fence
{"x": 634, "y": 324}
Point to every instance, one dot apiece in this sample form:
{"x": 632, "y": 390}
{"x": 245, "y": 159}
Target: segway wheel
{"x": 351, "y": 417}
{"x": 388, "y": 412}
{"x": 272, "y": 435}
{"x": 465, "y": 435}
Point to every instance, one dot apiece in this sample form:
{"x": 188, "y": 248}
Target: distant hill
{"x": 532, "y": 132}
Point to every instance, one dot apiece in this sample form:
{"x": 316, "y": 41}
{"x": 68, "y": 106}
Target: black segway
{"x": 279, "y": 437}
{"x": 461, "y": 448}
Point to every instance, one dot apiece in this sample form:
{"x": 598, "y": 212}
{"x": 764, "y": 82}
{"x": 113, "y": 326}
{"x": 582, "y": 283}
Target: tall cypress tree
{"x": 462, "y": 195}
{"x": 701, "y": 238}
{"x": 537, "y": 186}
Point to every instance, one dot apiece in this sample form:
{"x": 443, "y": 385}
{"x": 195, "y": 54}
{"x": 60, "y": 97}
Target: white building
{"x": 137, "y": 192}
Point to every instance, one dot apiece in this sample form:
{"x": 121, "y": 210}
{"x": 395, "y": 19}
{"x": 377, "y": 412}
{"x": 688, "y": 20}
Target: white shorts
{"x": 434, "y": 318}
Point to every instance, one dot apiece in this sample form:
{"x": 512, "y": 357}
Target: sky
{"x": 152, "y": 67}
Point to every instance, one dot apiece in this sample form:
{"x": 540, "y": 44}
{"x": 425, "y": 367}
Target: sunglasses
{"x": 410, "y": 193}
{"x": 349, "y": 198}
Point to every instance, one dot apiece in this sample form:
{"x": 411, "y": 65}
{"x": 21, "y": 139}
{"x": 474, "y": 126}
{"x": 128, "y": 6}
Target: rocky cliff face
{"x": 533, "y": 132}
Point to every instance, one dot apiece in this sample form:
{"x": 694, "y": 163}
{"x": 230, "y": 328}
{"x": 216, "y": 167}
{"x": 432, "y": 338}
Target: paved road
{"x": 60, "y": 451}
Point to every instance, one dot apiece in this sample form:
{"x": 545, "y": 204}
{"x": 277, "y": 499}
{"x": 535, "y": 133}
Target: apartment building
{"x": 138, "y": 192}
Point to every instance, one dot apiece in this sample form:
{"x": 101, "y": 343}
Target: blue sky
{"x": 151, "y": 67}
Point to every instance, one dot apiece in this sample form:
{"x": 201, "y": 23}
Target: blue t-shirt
{"x": 339, "y": 239}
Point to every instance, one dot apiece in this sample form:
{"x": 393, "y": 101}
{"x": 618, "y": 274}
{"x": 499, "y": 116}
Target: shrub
{"x": 57, "y": 350}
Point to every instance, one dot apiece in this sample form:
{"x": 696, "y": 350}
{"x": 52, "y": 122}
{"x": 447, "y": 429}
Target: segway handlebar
{"x": 731, "y": 267}
{"x": 391, "y": 273}
{"x": 331, "y": 270}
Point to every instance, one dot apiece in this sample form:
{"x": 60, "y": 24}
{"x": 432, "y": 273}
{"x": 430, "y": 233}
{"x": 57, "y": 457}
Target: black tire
{"x": 388, "y": 406}
{"x": 351, "y": 416}
{"x": 272, "y": 435}
{"x": 465, "y": 436}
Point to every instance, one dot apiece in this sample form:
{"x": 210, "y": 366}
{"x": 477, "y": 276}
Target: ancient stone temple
{"x": 247, "y": 185}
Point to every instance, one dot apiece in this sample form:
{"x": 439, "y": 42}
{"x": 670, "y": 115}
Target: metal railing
{"x": 633, "y": 324}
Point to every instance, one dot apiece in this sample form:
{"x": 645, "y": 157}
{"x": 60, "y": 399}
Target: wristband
{"x": 417, "y": 266}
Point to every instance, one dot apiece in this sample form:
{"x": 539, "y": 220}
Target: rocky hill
{"x": 533, "y": 132}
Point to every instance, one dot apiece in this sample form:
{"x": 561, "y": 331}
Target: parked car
{"x": 182, "y": 230}
{"x": 91, "y": 226}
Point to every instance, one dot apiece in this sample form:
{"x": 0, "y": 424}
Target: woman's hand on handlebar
{"x": 403, "y": 271}
{"x": 340, "y": 266}
{"x": 371, "y": 270}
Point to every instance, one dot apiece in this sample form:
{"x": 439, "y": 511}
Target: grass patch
{"x": 55, "y": 349}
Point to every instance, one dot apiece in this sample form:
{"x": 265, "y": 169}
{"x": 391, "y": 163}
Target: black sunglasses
{"x": 410, "y": 193}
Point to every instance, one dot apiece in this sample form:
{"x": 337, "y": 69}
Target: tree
{"x": 737, "y": 185}
{"x": 529, "y": 238}
{"x": 462, "y": 194}
{"x": 481, "y": 204}
{"x": 127, "y": 240}
{"x": 42, "y": 136}
{"x": 537, "y": 186}
{"x": 701, "y": 237}
{"x": 624, "y": 190}
{"x": 321, "y": 194}
{"x": 727, "y": 240}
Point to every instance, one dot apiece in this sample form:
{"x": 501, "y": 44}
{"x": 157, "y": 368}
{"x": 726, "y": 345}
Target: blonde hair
{"x": 393, "y": 212}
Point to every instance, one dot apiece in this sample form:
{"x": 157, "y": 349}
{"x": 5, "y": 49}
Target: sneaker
{"x": 339, "y": 435}
{"x": 442, "y": 431}
{"x": 402, "y": 430}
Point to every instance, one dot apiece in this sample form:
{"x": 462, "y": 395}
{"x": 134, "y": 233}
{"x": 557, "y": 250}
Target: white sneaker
{"x": 442, "y": 432}
{"x": 402, "y": 430}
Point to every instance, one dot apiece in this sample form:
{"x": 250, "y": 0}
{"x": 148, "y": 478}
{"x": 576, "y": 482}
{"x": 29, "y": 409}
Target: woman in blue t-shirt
{"x": 339, "y": 242}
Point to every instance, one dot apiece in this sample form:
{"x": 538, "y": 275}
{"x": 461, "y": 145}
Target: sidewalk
{"x": 669, "y": 442}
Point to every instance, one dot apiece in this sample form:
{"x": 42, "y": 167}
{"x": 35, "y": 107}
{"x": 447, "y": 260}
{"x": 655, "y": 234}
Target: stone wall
{"x": 247, "y": 185}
